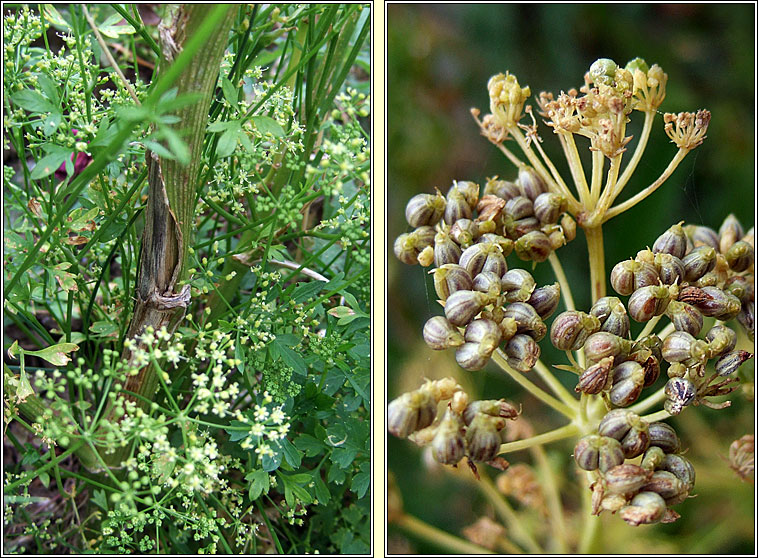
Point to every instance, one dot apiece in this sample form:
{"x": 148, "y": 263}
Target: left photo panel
{"x": 187, "y": 279}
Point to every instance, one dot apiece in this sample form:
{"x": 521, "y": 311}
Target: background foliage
{"x": 439, "y": 61}
{"x": 258, "y": 438}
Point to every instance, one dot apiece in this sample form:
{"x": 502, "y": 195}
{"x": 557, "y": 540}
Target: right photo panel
{"x": 570, "y": 279}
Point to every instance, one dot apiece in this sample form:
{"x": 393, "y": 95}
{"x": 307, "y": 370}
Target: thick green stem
{"x": 170, "y": 213}
{"x": 597, "y": 261}
{"x": 553, "y": 436}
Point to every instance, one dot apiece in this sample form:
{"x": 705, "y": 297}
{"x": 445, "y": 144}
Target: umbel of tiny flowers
{"x": 693, "y": 276}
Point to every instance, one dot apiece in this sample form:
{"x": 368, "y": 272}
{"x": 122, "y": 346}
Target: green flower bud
{"x": 530, "y": 182}
{"x": 685, "y": 317}
{"x": 518, "y": 284}
{"x": 570, "y": 330}
{"x": 519, "y": 207}
{"x": 637, "y": 64}
{"x": 673, "y": 241}
{"x": 450, "y": 278}
{"x": 440, "y": 334}
{"x": 596, "y": 378}
{"x": 545, "y": 300}
{"x": 645, "y": 508}
{"x": 603, "y": 71}
{"x": 630, "y": 275}
{"x": 501, "y": 188}
{"x": 663, "y": 436}
{"x": 462, "y": 306}
{"x": 699, "y": 262}
{"x": 548, "y": 206}
{"x": 448, "y": 445}
{"x": 533, "y": 246}
{"x": 740, "y": 256}
{"x": 522, "y": 352}
{"x": 527, "y": 320}
{"x": 721, "y": 339}
{"x": 425, "y": 209}
{"x": 612, "y": 315}
{"x": 410, "y": 412}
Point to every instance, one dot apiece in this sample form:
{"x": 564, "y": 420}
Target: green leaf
{"x": 51, "y": 123}
{"x": 32, "y": 101}
{"x": 227, "y": 143}
{"x": 56, "y": 354}
{"x": 103, "y": 328}
{"x": 44, "y": 478}
{"x": 306, "y": 291}
{"x": 361, "y": 481}
{"x": 53, "y": 16}
{"x": 310, "y": 445}
{"x": 99, "y": 498}
{"x": 112, "y": 30}
{"x": 259, "y": 483}
{"x": 49, "y": 164}
{"x": 236, "y": 434}
{"x": 322, "y": 492}
{"x": 293, "y": 360}
{"x": 291, "y": 454}
{"x": 266, "y": 57}
{"x": 177, "y": 145}
{"x": 230, "y": 92}
{"x": 267, "y": 125}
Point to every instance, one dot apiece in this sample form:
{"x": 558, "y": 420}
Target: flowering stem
{"x": 537, "y": 392}
{"x": 598, "y": 162}
{"x": 634, "y": 200}
{"x": 540, "y": 439}
{"x": 597, "y": 261}
{"x": 649, "y": 401}
{"x": 553, "y": 497}
{"x": 638, "y": 151}
{"x": 575, "y": 165}
{"x": 438, "y": 537}
{"x": 568, "y": 298}
{"x": 553, "y": 383}
{"x": 649, "y": 327}
{"x": 658, "y": 415}
{"x": 520, "y": 533}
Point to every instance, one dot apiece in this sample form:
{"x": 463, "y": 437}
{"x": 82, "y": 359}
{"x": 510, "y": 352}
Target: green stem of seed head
{"x": 501, "y": 360}
{"x": 438, "y": 537}
{"x": 540, "y": 439}
{"x": 650, "y": 401}
{"x": 658, "y": 415}
{"x": 556, "y": 386}
{"x": 560, "y": 275}
{"x": 521, "y": 533}
{"x": 553, "y": 499}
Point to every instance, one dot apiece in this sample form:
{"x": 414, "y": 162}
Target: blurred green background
{"x": 439, "y": 58}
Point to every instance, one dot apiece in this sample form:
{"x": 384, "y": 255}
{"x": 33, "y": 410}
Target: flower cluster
{"x": 473, "y": 429}
{"x": 690, "y": 273}
{"x": 642, "y": 493}
{"x": 521, "y": 216}
{"x": 486, "y": 304}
